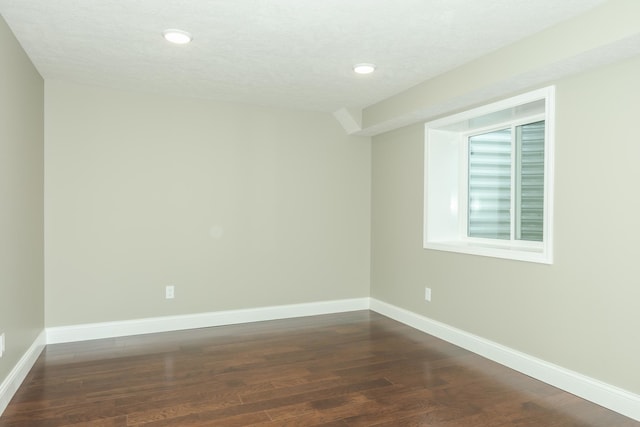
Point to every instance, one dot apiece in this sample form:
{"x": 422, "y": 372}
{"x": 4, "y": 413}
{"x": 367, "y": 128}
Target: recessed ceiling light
{"x": 364, "y": 68}
{"x": 177, "y": 36}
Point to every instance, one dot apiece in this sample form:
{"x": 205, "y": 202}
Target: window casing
{"x": 489, "y": 179}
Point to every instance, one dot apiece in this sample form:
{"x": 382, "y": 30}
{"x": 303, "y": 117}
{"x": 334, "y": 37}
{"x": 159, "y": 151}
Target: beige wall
{"x": 21, "y": 198}
{"x": 236, "y": 206}
{"x": 581, "y": 312}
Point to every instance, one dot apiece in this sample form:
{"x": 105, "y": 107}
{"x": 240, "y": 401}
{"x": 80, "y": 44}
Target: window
{"x": 505, "y": 197}
{"x": 489, "y": 179}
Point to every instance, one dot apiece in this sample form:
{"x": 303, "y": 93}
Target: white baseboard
{"x": 603, "y": 394}
{"x": 92, "y": 331}
{"x": 19, "y": 372}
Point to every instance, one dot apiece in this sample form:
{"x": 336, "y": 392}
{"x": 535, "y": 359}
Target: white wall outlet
{"x": 2, "y": 349}
{"x": 427, "y": 294}
{"x": 169, "y": 292}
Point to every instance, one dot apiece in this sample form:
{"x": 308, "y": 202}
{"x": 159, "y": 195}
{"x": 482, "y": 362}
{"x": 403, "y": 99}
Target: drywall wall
{"x": 236, "y": 206}
{"x": 608, "y": 33}
{"x": 580, "y": 313}
{"x": 21, "y": 201}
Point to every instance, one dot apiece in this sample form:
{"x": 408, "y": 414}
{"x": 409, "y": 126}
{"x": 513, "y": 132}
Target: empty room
{"x": 328, "y": 213}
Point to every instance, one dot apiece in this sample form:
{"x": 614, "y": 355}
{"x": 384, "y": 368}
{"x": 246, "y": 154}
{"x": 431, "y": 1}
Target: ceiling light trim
{"x": 176, "y": 36}
{"x": 364, "y": 68}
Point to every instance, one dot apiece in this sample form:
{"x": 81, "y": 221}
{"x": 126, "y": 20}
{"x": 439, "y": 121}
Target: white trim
{"x": 83, "y": 332}
{"x": 504, "y": 104}
{"x": 611, "y": 397}
{"x": 19, "y": 372}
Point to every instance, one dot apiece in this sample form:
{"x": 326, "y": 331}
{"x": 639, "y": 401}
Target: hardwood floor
{"x": 344, "y": 370}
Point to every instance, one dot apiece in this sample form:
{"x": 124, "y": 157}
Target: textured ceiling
{"x": 286, "y": 53}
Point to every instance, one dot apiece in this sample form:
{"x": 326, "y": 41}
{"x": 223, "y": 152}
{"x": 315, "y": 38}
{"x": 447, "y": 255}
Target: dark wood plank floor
{"x": 344, "y": 370}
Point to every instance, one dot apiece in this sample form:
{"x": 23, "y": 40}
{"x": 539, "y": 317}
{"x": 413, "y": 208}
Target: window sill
{"x": 537, "y": 255}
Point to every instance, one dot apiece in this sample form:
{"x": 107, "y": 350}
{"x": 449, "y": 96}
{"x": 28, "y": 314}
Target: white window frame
{"x": 446, "y": 180}
{"x": 464, "y": 178}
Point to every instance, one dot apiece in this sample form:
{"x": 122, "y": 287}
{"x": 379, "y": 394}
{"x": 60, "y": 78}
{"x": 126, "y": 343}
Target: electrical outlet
{"x": 2, "y": 344}
{"x": 427, "y": 294}
{"x": 169, "y": 292}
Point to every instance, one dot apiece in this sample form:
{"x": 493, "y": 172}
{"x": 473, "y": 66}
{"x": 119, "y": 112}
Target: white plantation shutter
{"x": 490, "y": 185}
{"x": 530, "y": 182}
{"x": 492, "y": 177}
